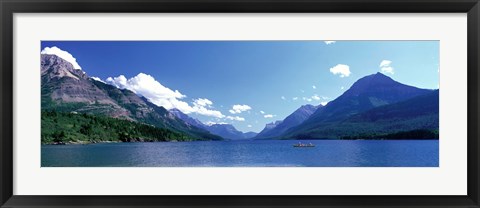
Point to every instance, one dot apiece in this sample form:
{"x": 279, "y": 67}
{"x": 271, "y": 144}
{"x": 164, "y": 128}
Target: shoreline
{"x": 108, "y": 142}
{"x": 80, "y": 142}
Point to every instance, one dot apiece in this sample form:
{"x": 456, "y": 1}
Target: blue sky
{"x": 250, "y": 83}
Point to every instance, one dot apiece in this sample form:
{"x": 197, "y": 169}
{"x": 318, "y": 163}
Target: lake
{"x": 266, "y": 153}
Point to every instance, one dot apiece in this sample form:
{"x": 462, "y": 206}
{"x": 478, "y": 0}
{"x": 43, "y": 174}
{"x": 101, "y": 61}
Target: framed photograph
{"x": 239, "y": 103}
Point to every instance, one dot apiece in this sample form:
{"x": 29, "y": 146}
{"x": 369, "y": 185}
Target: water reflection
{"x": 326, "y": 153}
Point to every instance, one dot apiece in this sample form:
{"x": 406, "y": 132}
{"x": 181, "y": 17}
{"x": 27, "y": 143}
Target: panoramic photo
{"x": 316, "y": 103}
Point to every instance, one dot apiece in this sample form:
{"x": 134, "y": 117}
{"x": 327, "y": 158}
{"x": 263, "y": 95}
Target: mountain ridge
{"x": 292, "y": 120}
{"x": 418, "y": 114}
{"x": 366, "y": 93}
{"x": 66, "y": 89}
{"x": 226, "y": 131}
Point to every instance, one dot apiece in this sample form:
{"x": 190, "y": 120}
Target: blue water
{"x": 326, "y": 153}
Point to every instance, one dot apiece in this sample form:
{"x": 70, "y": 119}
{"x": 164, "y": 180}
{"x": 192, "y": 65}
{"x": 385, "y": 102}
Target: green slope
{"x": 59, "y": 127}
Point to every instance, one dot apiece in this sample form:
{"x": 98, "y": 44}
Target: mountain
{"x": 65, "y": 89}
{"x": 268, "y": 127}
{"x": 423, "y": 105}
{"x": 418, "y": 115}
{"x": 226, "y": 131}
{"x": 294, "y": 119}
{"x": 189, "y": 120}
{"x": 367, "y": 93}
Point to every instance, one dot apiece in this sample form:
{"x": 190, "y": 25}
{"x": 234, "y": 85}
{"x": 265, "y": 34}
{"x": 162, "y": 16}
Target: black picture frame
{"x": 9, "y": 7}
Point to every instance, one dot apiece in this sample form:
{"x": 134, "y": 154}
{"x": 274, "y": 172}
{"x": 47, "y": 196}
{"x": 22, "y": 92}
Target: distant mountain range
{"x": 375, "y": 107}
{"x": 226, "y": 131}
{"x": 296, "y": 118}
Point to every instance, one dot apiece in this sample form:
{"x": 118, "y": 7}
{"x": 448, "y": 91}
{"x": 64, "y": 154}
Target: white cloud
{"x": 342, "y": 69}
{"x": 239, "y": 108}
{"x": 62, "y": 54}
{"x": 119, "y": 82}
{"x": 262, "y": 112}
{"x": 315, "y": 97}
{"x": 328, "y": 42}
{"x": 314, "y": 87}
{"x": 269, "y": 116}
{"x": 295, "y": 98}
{"x": 203, "y": 102}
{"x": 210, "y": 123}
{"x": 145, "y": 85}
{"x": 235, "y": 118}
{"x": 97, "y": 79}
{"x": 249, "y": 126}
{"x": 385, "y": 63}
{"x": 385, "y": 67}
{"x": 324, "y": 103}
{"x": 283, "y": 97}
{"x": 203, "y": 109}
